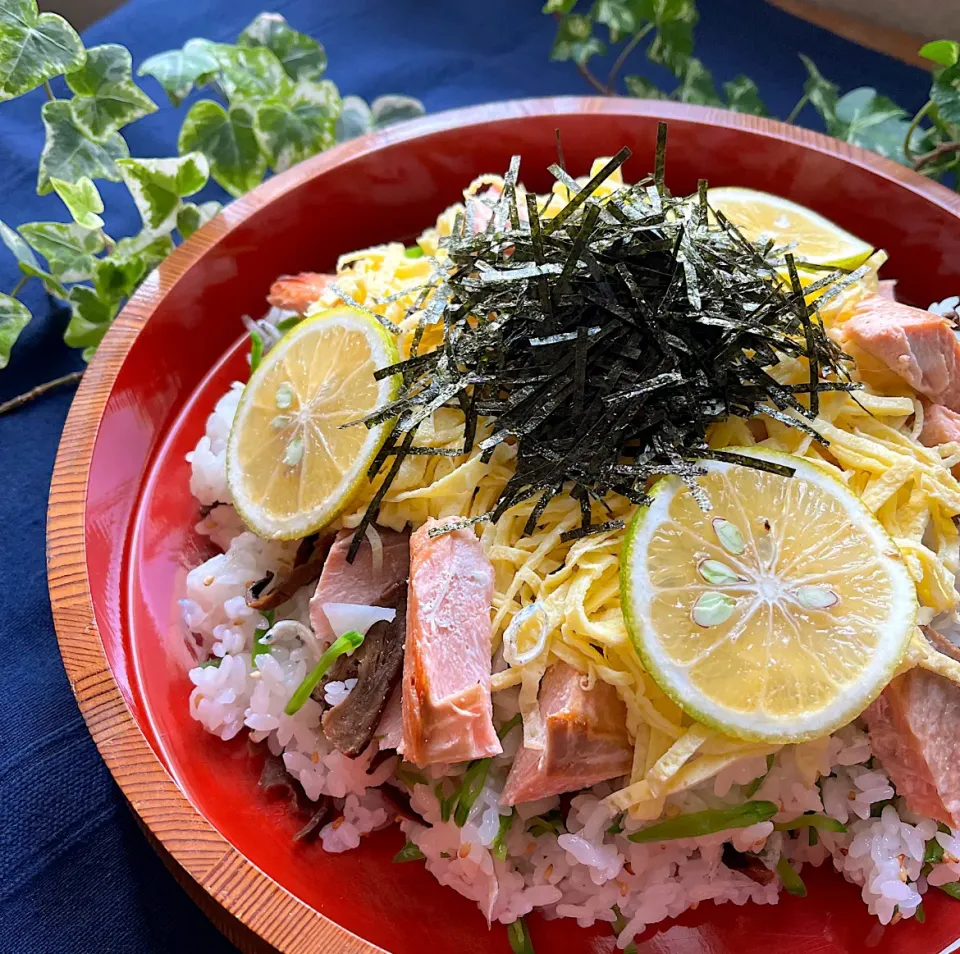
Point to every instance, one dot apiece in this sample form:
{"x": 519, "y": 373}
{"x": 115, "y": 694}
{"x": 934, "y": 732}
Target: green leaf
{"x": 191, "y": 217}
{"x": 153, "y": 249}
{"x": 34, "y": 48}
{"x": 945, "y": 93}
{"x": 116, "y": 277}
{"x": 697, "y": 86}
{"x": 743, "y": 96}
{"x": 874, "y": 122}
{"x": 229, "y": 143}
{"x": 91, "y": 317}
{"x": 944, "y": 52}
{"x": 617, "y": 16}
{"x": 50, "y": 284}
{"x": 69, "y": 155}
{"x": 178, "y": 70}
{"x": 293, "y": 127}
{"x": 821, "y": 93}
{"x": 158, "y": 185}
{"x": 643, "y": 88}
{"x": 354, "y": 120}
{"x": 82, "y": 200}
{"x": 14, "y": 317}
{"x": 68, "y": 248}
{"x": 11, "y": 238}
{"x": 563, "y": 7}
{"x": 389, "y": 110}
{"x": 673, "y": 44}
{"x": 575, "y": 40}
{"x": 251, "y": 74}
{"x": 106, "y": 96}
{"x": 301, "y": 56}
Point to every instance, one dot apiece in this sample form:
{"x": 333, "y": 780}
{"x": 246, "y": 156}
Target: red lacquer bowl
{"x": 120, "y": 531}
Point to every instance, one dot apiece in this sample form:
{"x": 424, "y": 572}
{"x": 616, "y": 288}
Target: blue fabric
{"x": 76, "y": 874}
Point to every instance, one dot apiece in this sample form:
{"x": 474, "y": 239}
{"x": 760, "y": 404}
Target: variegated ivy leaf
{"x": 14, "y": 317}
{"x": 302, "y": 57}
{"x": 354, "y": 120}
{"x": 82, "y": 199}
{"x": 11, "y": 238}
{"x": 153, "y": 249}
{"x": 177, "y": 70}
{"x": 292, "y": 127}
{"x": 158, "y": 185}
{"x": 388, "y": 110}
{"x": 251, "y": 74}
{"x": 191, "y": 217}
{"x": 116, "y": 277}
{"x": 70, "y": 155}
{"x": 68, "y": 248}
{"x": 34, "y": 47}
{"x": 90, "y": 319}
{"x": 106, "y": 96}
{"x": 228, "y": 141}
{"x": 50, "y": 284}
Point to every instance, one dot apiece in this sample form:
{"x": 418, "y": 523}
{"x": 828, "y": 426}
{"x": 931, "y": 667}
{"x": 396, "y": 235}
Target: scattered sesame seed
{"x": 464, "y": 851}
{"x": 624, "y": 890}
{"x": 548, "y": 872}
{"x": 208, "y": 581}
{"x": 337, "y": 822}
{"x": 314, "y": 757}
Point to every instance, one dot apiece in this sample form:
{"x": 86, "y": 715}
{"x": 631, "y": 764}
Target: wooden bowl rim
{"x": 233, "y": 882}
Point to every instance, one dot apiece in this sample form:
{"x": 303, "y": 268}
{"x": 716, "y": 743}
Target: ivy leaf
{"x": 390, "y": 110}
{"x": 617, "y": 16}
{"x": 91, "y": 317}
{"x": 68, "y": 248}
{"x": 177, "y": 70}
{"x": 106, "y": 96}
{"x": 697, "y": 86}
{"x": 34, "y": 48}
{"x": 575, "y": 40}
{"x": 877, "y": 123}
{"x": 354, "y": 120}
{"x": 563, "y": 7}
{"x": 158, "y": 185}
{"x": 192, "y": 217}
{"x": 945, "y": 93}
{"x": 153, "y": 249}
{"x": 297, "y": 125}
{"x": 301, "y": 56}
{"x": 643, "y": 88}
{"x": 50, "y": 285}
{"x": 251, "y": 73}
{"x": 23, "y": 253}
{"x": 228, "y": 141}
{"x": 744, "y": 97}
{"x": 944, "y": 52}
{"x": 69, "y": 155}
{"x": 821, "y": 93}
{"x": 116, "y": 277}
{"x": 673, "y": 44}
{"x": 82, "y": 200}
{"x": 14, "y": 317}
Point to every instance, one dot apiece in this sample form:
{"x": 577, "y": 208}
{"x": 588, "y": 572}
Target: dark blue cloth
{"x": 76, "y": 874}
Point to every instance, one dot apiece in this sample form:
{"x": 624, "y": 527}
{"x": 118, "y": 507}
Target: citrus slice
{"x": 291, "y": 465}
{"x": 761, "y": 216}
{"x": 780, "y": 613}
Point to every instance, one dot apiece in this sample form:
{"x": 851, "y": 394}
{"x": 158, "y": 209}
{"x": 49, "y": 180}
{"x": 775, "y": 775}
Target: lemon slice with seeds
{"x": 778, "y": 615}
{"x": 291, "y": 465}
{"x": 761, "y": 216}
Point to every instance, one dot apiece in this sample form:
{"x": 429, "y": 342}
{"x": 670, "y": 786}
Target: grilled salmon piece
{"x": 298, "y": 292}
{"x": 369, "y": 580}
{"x": 917, "y": 346}
{"x": 586, "y": 740}
{"x": 940, "y": 425}
{"x": 915, "y": 732}
{"x": 447, "y": 712}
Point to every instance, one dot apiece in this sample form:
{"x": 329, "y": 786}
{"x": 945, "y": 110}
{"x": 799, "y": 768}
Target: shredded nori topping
{"x": 605, "y": 341}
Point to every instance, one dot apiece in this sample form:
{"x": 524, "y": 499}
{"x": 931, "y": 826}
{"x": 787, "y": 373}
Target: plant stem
{"x": 592, "y": 80}
{"x": 17, "y": 288}
{"x": 49, "y": 89}
{"x": 14, "y": 403}
{"x": 945, "y": 148}
{"x": 109, "y": 242}
{"x": 624, "y": 53}
{"x": 796, "y": 109}
{"x": 914, "y": 123}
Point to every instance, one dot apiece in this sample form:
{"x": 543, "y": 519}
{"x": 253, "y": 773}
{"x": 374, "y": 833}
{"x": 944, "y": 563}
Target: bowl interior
{"x": 140, "y": 515}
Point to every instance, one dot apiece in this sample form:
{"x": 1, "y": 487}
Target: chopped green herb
{"x": 444, "y": 854}
{"x": 617, "y": 825}
{"x": 952, "y": 888}
{"x": 410, "y": 776}
{"x": 791, "y": 881}
{"x": 446, "y": 804}
{"x": 619, "y": 923}
{"x": 413, "y": 251}
{"x": 623, "y": 329}
{"x": 519, "y": 937}
{"x": 812, "y": 836}
{"x": 256, "y": 350}
{"x": 213, "y": 663}
{"x": 754, "y": 786}
{"x": 933, "y": 853}
{"x": 707, "y": 822}
{"x": 499, "y": 846}
{"x": 550, "y": 823}
{"x": 473, "y": 781}
{"x": 409, "y": 852}
{"x": 259, "y": 646}
{"x": 509, "y": 726}
{"x": 876, "y": 809}
{"x": 920, "y": 914}
{"x": 343, "y": 646}
{"x": 285, "y": 324}
{"x": 811, "y": 820}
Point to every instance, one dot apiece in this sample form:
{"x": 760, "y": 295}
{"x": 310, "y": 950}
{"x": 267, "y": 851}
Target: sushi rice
{"x": 587, "y": 868}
